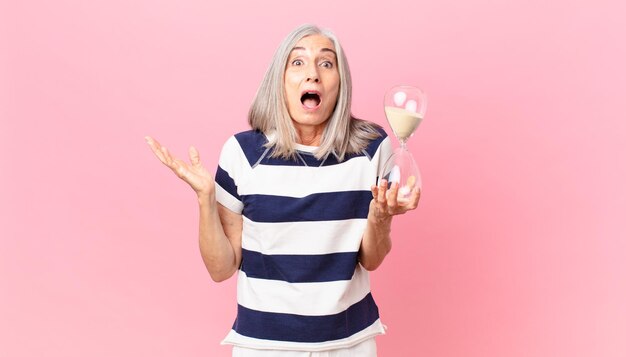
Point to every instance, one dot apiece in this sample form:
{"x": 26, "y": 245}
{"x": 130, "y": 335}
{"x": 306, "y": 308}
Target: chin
{"x": 311, "y": 120}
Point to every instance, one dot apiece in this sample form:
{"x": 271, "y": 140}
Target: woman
{"x": 295, "y": 209}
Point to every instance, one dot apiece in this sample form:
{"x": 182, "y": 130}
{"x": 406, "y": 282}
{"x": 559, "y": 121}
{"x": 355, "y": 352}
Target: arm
{"x": 376, "y": 243}
{"x": 219, "y": 238}
{"x": 220, "y": 229}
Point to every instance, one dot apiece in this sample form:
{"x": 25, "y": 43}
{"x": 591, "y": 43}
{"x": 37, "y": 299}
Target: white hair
{"x": 343, "y": 134}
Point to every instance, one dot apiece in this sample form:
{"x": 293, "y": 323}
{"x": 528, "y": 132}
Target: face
{"x": 312, "y": 82}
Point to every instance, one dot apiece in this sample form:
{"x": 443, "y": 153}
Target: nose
{"x": 312, "y": 75}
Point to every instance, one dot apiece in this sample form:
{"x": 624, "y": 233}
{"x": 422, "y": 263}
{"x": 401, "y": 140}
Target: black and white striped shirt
{"x": 300, "y": 286}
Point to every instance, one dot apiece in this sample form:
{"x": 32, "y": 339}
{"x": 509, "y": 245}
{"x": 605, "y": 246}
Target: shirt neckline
{"x": 299, "y": 147}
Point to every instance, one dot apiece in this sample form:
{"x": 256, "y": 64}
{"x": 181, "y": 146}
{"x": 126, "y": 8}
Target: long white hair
{"x": 343, "y": 134}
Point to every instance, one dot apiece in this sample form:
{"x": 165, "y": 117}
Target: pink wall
{"x": 517, "y": 248}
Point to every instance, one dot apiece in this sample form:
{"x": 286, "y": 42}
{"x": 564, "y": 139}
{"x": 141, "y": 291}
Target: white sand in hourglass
{"x": 402, "y": 122}
{"x": 404, "y": 108}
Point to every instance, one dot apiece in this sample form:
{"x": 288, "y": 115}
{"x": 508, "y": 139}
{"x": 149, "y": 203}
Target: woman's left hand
{"x": 386, "y": 203}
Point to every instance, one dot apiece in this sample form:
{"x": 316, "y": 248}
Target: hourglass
{"x": 405, "y": 107}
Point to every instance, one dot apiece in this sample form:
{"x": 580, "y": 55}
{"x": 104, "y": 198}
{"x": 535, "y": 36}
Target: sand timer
{"x": 404, "y": 108}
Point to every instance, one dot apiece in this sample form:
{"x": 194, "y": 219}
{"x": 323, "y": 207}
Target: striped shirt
{"x": 300, "y": 285}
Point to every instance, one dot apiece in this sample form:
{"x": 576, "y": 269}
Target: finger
{"x": 172, "y": 161}
{"x": 411, "y": 181}
{"x": 392, "y": 196}
{"x": 194, "y": 156}
{"x": 166, "y": 155}
{"x": 382, "y": 192}
{"x": 374, "y": 190}
{"x": 414, "y": 200}
{"x": 179, "y": 167}
{"x": 153, "y": 144}
{"x": 156, "y": 149}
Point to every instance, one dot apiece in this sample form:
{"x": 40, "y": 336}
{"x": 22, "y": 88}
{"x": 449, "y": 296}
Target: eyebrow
{"x": 322, "y": 50}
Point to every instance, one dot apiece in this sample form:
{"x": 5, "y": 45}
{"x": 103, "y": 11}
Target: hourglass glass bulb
{"x": 404, "y": 108}
{"x": 402, "y": 170}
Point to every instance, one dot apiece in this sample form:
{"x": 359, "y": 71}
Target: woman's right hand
{"x": 194, "y": 174}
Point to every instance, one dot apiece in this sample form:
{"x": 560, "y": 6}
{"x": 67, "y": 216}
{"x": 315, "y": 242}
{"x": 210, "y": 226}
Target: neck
{"x": 310, "y": 135}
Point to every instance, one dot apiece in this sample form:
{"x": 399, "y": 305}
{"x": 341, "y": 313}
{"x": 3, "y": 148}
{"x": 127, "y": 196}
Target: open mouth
{"x": 311, "y": 100}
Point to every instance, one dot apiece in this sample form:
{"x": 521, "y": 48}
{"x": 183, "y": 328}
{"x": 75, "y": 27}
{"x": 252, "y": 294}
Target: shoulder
{"x": 250, "y": 138}
{"x": 251, "y": 144}
{"x": 375, "y": 144}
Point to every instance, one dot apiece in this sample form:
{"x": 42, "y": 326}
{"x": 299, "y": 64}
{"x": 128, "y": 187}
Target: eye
{"x": 327, "y": 64}
{"x": 297, "y": 62}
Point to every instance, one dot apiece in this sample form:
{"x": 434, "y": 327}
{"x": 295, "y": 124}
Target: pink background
{"x": 517, "y": 249}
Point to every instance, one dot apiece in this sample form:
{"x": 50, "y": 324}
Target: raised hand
{"x": 194, "y": 173}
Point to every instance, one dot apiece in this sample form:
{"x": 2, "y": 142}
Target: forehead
{"x": 314, "y": 42}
